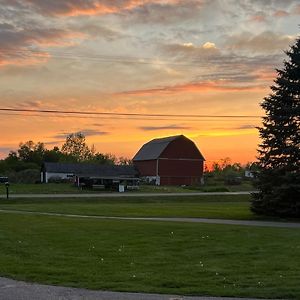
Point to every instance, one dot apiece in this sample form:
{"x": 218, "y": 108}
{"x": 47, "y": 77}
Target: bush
{"x": 232, "y": 179}
{"x": 25, "y": 176}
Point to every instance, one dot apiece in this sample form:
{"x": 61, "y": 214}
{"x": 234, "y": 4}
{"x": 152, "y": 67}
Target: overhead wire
{"x": 67, "y": 112}
{"x": 110, "y": 118}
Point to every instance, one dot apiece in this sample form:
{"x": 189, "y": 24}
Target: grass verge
{"x": 67, "y": 188}
{"x": 49, "y": 188}
{"x": 222, "y": 207}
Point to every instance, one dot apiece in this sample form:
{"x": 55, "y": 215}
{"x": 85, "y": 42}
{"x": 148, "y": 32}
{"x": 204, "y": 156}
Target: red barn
{"x": 173, "y": 160}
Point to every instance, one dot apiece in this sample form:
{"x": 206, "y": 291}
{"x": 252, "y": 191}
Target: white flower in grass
{"x": 121, "y": 247}
{"x": 201, "y": 264}
{"x": 133, "y": 276}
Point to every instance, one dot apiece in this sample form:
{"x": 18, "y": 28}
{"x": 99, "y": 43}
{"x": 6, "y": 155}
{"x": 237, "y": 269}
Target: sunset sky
{"x": 204, "y": 57}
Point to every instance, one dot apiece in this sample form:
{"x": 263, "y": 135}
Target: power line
{"x": 111, "y": 117}
{"x": 48, "y": 111}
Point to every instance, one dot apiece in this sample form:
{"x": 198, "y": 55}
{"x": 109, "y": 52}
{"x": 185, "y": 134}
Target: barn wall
{"x": 180, "y": 168}
{"x": 181, "y": 180}
{"x": 181, "y": 148}
{"x": 146, "y": 167}
{"x": 173, "y": 171}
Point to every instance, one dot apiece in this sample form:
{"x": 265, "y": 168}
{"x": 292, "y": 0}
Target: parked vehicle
{"x": 3, "y": 179}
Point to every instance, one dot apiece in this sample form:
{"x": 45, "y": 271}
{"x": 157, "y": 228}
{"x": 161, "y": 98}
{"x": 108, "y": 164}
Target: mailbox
{"x": 7, "y": 189}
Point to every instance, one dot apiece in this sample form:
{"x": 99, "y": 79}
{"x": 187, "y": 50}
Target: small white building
{"x": 249, "y": 174}
{"x": 51, "y": 170}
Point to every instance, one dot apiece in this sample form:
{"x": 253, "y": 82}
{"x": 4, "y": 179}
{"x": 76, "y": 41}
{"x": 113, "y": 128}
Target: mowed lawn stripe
{"x": 195, "y": 259}
{"x": 222, "y": 207}
{"x": 258, "y": 223}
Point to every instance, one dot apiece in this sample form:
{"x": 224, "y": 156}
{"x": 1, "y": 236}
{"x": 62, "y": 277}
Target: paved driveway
{"x": 19, "y": 290}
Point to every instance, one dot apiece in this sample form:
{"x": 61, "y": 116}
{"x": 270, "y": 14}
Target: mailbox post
{"x": 7, "y": 189}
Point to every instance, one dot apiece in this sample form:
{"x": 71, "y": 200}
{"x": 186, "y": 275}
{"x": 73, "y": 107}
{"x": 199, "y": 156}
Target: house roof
{"x": 89, "y": 169}
{"x": 154, "y": 148}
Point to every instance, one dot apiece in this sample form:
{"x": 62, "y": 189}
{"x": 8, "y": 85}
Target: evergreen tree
{"x": 278, "y": 180}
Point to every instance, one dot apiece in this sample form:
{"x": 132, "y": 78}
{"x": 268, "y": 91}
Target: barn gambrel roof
{"x": 154, "y": 148}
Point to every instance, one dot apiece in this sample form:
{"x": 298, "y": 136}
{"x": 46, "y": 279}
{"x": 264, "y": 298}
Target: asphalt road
{"x": 113, "y": 195}
{"x": 19, "y": 290}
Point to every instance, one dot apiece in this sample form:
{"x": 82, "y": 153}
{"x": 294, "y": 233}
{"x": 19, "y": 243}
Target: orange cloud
{"x": 266, "y": 41}
{"x": 91, "y": 7}
{"x": 18, "y": 59}
{"x": 258, "y": 17}
{"x": 296, "y": 9}
{"x": 15, "y": 44}
{"x": 227, "y": 132}
{"x": 97, "y": 9}
{"x": 220, "y": 85}
{"x": 61, "y": 39}
{"x": 266, "y": 75}
{"x": 280, "y": 13}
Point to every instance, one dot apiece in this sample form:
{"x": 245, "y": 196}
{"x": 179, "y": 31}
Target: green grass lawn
{"x": 208, "y": 206}
{"x": 194, "y": 259}
{"x": 56, "y": 188}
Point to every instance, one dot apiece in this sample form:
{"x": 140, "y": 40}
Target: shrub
{"x": 25, "y": 176}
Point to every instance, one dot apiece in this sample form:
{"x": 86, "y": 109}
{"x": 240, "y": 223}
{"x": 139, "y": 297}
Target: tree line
{"x": 228, "y": 172}
{"x": 25, "y": 163}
